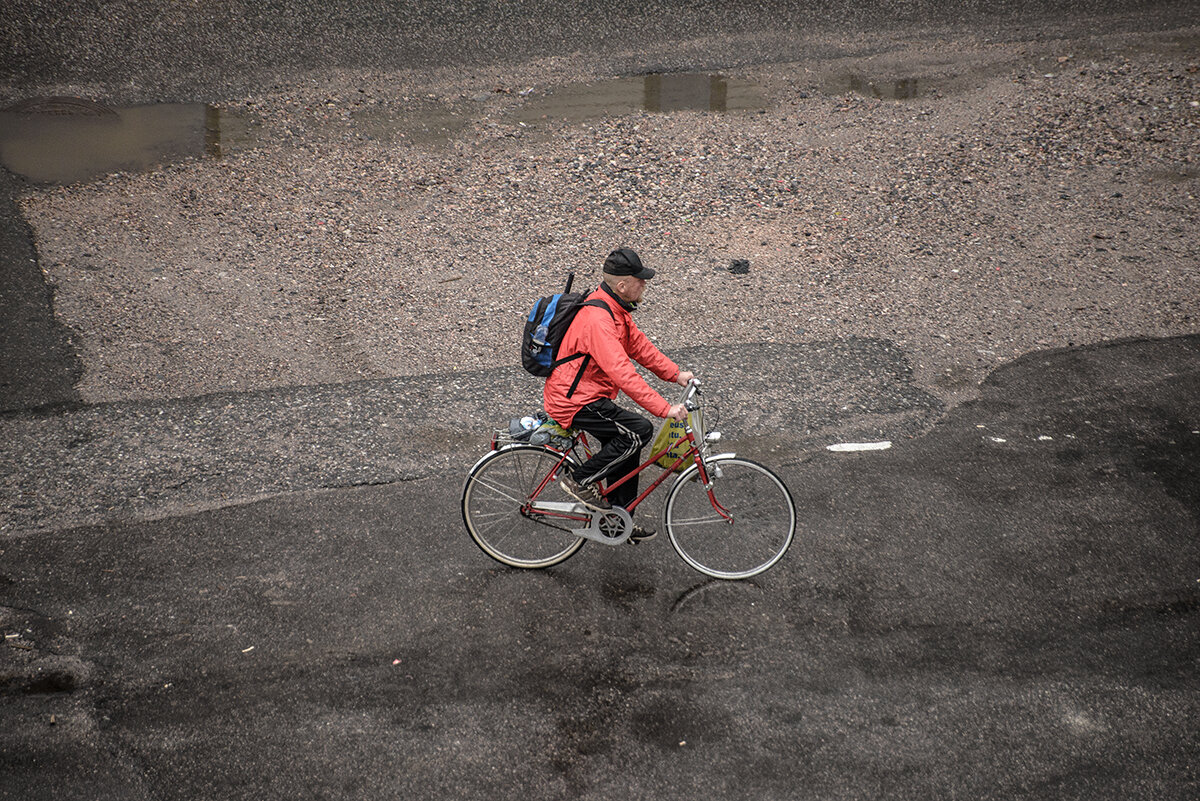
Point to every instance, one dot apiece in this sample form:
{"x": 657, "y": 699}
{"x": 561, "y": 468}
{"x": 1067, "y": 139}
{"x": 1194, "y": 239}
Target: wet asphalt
{"x": 1006, "y": 606}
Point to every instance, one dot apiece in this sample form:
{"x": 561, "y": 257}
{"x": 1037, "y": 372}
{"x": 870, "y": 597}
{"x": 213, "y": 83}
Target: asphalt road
{"x": 1004, "y": 607}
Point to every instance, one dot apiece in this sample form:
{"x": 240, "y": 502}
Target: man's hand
{"x": 677, "y": 412}
{"x": 684, "y": 377}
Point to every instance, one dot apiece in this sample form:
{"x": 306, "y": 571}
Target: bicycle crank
{"x": 610, "y": 526}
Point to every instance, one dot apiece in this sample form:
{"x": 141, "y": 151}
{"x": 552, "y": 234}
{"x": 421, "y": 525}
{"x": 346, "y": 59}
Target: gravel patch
{"x": 134, "y": 459}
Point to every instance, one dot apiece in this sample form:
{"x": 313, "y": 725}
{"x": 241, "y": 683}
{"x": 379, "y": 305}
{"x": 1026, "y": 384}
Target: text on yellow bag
{"x": 674, "y": 432}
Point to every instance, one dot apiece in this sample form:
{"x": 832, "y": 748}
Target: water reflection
{"x": 684, "y": 92}
{"x": 899, "y": 89}
{"x": 715, "y": 591}
{"x": 46, "y": 143}
{"x": 70, "y": 140}
{"x": 658, "y": 92}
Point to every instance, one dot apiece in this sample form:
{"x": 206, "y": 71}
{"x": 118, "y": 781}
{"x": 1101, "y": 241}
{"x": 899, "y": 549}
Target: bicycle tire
{"x": 763, "y": 526}
{"x": 493, "y": 494}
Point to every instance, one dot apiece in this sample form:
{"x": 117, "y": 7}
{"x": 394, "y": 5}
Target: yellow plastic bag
{"x": 675, "y": 433}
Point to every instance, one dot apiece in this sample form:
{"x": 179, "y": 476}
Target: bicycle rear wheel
{"x": 760, "y": 527}
{"x": 495, "y": 508}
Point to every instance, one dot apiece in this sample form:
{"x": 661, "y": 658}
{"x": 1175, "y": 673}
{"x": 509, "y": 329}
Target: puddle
{"x": 882, "y": 89}
{"x": 427, "y": 126}
{"x": 64, "y": 140}
{"x": 70, "y": 140}
{"x": 660, "y": 92}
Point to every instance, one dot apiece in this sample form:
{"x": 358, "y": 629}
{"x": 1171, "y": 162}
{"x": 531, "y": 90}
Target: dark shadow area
{"x": 40, "y": 365}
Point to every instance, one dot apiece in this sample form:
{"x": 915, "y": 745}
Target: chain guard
{"x": 611, "y": 526}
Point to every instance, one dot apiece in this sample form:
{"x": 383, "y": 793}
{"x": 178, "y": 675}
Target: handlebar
{"x": 692, "y": 404}
{"x": 691, "y": 390}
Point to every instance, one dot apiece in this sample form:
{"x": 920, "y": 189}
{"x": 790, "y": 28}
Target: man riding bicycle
{"x": 583, "y": 396}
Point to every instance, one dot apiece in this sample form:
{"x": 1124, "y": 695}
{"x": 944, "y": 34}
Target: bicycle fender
{"x": 692, "y": 468}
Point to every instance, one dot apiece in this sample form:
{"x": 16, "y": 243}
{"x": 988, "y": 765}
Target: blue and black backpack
{"x": 546, "y": 326}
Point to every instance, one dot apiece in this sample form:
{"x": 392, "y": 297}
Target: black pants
{"x": 622, "y": 435}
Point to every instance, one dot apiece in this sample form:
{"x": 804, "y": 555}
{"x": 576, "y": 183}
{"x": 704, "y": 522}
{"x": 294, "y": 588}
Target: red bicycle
{"x": 728, "y": 517}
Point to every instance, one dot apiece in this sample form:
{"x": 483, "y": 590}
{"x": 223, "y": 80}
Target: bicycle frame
{"x": 694, "y": 452}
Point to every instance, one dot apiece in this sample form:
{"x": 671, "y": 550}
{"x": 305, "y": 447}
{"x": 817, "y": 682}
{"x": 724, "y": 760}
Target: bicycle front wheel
{"x": 496, "y": 508}
{"x": 745, "y": 532}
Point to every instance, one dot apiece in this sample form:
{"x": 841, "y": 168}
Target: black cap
{"x": 624, "y": 261}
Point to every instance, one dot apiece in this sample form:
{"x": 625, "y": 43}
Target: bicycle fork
{"x": 708, "y": 487}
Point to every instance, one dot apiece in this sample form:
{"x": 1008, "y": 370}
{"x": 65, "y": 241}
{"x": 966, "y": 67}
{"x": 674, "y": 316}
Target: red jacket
{"x": 611, "y": 341}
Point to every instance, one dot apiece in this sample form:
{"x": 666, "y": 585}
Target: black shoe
{"x": 587, "y": 494}
{"x": 639, "y": 535}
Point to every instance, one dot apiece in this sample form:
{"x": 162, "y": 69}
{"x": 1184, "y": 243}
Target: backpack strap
{"x": 587, "y": 357}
